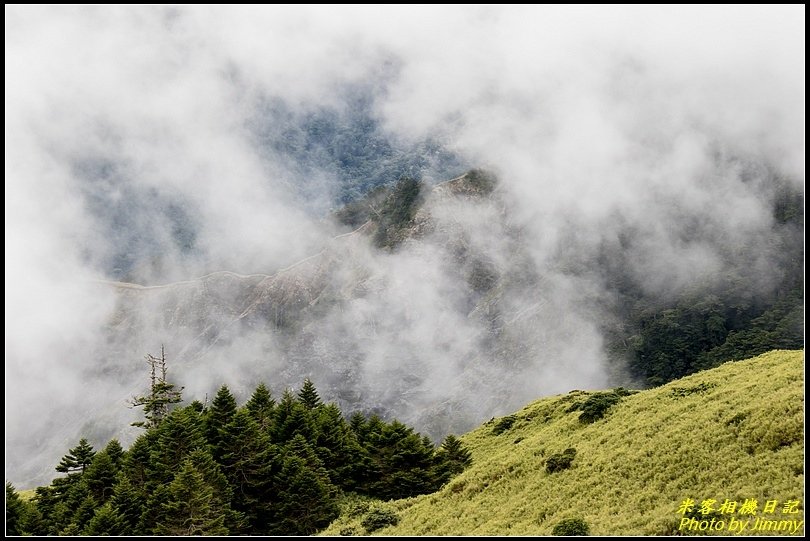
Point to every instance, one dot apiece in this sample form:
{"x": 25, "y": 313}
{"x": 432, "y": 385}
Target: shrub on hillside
{"x": 596, "y": 405}
{"x": 504, "y": 424}
{"x": 571, "y": 526}
{"x": 378, "y": 519}
{"x": 560, "y": 461}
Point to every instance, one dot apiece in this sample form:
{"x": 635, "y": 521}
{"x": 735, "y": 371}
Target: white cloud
{"x": 596, "y": 119}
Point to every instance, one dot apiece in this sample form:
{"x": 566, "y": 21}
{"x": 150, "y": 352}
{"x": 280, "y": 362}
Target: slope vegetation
{"x": 734, "y": 432}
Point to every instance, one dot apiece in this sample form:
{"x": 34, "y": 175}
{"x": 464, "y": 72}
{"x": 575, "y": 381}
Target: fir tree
{"x": 128, "y": 503}
{"x": 337, "y": 447}
{"x": 170, "y": 483}
{"x": 305, "y": 503}
{"x": 373, "y": 430}
{"x": 365, "y": 470}
{"x": 212, "y": 474}
{"x": 115, "y": 452}
{"x": 71, "y": 530}
{"x": 33, "y": 522}
{"x": 84, "y": 513}
{"x": 136, "y": 461}
{"x": 247, "y": 461}
{"x": 455, "y": 451}
{"x": 106, "y": 521}
{"x": 161, "y": 393}
{"x": 15, "y": 511}
{"x": 154, "y": 510}
{"x": 451, "y": 459}
{"x": 261, "y": 406}
{"x": 47, "y": 501}
{"x": 299, "y": 447}
{"x": 221, "y": 412}
{"x": 308, "y": 395}
{"x": 283, "y": 410}
{"x": 178, "y": 436}
{"x": 291, "y": 418}
{"x": 357, "y": 422}
{"x": 100, "y": 477}
{"x": 197, "y": 406}
{"x": 403, "y": 463}
{"x": 77, "y": 459}
{"x": 192, "y": 507}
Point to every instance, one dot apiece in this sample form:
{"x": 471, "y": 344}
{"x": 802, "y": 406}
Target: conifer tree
{"x": 291, "y": 418}
{"x": 197, "y": 406}
{"x": 221, "y": 412}
{"x": 84, "y": 513}
{"x": 128, "y": 503}
{"x": 47, "y": 500}
{"x": 106, "y": 521}
{"x": 154, "y": 510}
{"x": 357, "y": 422}
{"x": 373, "y": 430}
{"x": 161, "y": 393}
{"x": 178, "y": 436}
{"x": 15, "y": 511}
{"x": 365, "y": 469}
{"x": 192, "y": 507}
{"x": 305, "y": 502}
{"x": 284, "y": 407}
{"x": 77, "y": 459}
{"x": 71, "y": 530}
{"x": 212, "y": 474}
{"x": 337, "y": 447}
{"x": 115, "y": 452}
{"x": 455, "y": 451}
{"x": 247, "y": 461}
{"x": 298, "y": 446}
{"x": 308, "y": 395}
{"x": 170, "y": 483}
{"x": 261, "y": 406}
{"x": 136, "y": 461}
{"x": 100, "y": 477}
{"x": 402, "y": 463}
{"x": 451, "y": 459}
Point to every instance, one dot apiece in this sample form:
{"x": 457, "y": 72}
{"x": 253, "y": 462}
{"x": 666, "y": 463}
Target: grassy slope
{"x": 27, "y": 494}
{"x": 741, "y": 438}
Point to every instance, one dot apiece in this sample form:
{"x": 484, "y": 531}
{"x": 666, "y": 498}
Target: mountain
{"x": 734, "y": 432}
{"x": 406, "y": 315}
{"x": 435, "y": 306}
{"x": 434, "y": 294}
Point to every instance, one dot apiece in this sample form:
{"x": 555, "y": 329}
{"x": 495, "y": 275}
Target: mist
{"x": 137, "y": 152}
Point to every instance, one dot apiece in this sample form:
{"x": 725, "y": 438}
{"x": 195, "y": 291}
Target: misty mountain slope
{"x": 437, "y": 297}
{"x": 434, "y": 309}
{"x": 455, "y": 302}
{"x": 734, "y": 432}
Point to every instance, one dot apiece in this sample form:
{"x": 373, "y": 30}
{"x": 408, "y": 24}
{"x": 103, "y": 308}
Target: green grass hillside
{"x": 734, "y": 432}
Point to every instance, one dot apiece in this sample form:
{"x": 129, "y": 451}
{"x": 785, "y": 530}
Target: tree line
{"x": 269, "y": 467}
